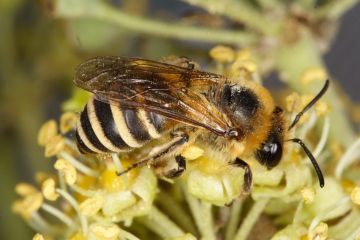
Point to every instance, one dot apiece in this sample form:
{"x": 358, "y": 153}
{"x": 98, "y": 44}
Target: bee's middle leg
{"x": 247, "y": 175}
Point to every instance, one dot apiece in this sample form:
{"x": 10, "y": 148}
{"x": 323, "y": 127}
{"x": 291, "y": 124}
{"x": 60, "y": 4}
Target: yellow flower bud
{"x": 67, "y": 169}
{"x": 292, "y": 101}
{"x": 355, "y": 195}
{"x": 313, "y": 74}
{"x": 68, "y": 122}
{"x": 320, "y": 232}
{"x": 28, "y": 205}
{"x": 40, "y": 177}
{"x": 308, "y": 194}
{"x": 25, "y": 189}
{"x": 321, "y": 108}
{"x": 48, "y": 130}
{"x": 54, "y": 146}
{"x": 38, "y": 236}
{"x": 48, "y": 189}
{"x": 222, "y": 54}
{"x": 243, "y": 54}
{"x": 91, "y": 206}
{"x": 248, "y": 65}
{"x": 104, "y": 231}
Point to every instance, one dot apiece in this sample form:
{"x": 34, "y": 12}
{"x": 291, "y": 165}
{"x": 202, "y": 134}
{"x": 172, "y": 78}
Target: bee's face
{"x": 270, "y": 151}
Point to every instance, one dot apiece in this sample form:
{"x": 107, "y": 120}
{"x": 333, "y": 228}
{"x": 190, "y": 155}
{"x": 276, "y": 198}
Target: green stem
{"x": 102, "y": 11}
{"x": 251, "y": 219}
{"x": 201, "y": 212}
{"x": 161, "y": 224}
{"x": 241, "y": 12}
{"x": 292, "y": 61}
{"x": 174, "y": 210}
{"x": 234, "y": 220}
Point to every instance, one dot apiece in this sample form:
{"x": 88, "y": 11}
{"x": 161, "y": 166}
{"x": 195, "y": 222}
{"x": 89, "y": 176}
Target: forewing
{"x": 172, "y": 91}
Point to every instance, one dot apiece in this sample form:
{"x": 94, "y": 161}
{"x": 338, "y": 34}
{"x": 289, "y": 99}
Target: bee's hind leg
{"x": 160, "y": 156}
{"x": 178, "y": 170}
{"x": 247, "y": 175}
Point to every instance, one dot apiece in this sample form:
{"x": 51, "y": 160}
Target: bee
{"x": 139, "y": 100}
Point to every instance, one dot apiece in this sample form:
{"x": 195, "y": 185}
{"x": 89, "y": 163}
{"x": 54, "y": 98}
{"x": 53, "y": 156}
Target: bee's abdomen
{"x": 105, "y": 128}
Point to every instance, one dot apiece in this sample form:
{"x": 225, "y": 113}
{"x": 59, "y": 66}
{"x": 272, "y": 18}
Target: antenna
{"x": 310, "y": 104}
{"x": 312, "y": 159}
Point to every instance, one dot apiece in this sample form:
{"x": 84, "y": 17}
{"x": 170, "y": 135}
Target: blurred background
{"x": 39, "y": 52}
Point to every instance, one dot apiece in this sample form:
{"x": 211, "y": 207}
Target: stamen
{"x": 355, "y": 195}
{"x": 82, "y": 191}
{"x": 323, "y": 139}
{"x": 67, "y": 170}
{"x": 68, "y": 122}
{"x": 127, "y": 235}
{"x": 62, "y": 182}
{"x": 298, "y": 212}
{"x": 91, "y": 206}
{"x": 58, "y": 214}
{"x": 117, "y": 162}
{"x": 38, "y": 236}
{"x": 328, "y": 211}
{"x": 308, "y": 125}
{"x": 351, "y": 154}
{"x": 310, "y": 104}
{"x": 47, "y": 131}
{"x": 71, "y": 144}
{"x": 25, "y": 189}
{"x": 78, "y": 165}
{"x": 105, "y": 231}
{"x": 48, "y": 189}
{"x": 119, "y": 167}
{"x": 308, "y": 195}
{"x": 75, "y": 205}
{"x": 39, "y": 224}
{"x": 54, "y": 146}
{"x": 319, "y": 232}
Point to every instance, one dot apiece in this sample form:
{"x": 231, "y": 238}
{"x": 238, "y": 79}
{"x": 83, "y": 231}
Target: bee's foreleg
{"x": 159, "y": 153}
{"x": 247, "y": 176}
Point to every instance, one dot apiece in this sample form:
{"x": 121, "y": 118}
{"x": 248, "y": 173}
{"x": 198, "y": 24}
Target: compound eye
{"x": 271, "y": 148}
{"x": 270, "y": 154}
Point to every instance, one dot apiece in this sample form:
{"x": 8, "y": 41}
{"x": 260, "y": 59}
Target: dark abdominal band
{"x": 89, "y": 132}
{"x": 100, "y": 129}
{"x": 107, "y": 123}
{"x": 135, "y": 126}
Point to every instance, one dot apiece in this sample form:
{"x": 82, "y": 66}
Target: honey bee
{"x": 138, "y": 100}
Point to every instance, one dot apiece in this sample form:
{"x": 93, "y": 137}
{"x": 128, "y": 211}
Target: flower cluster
{"x": 86, "y": 197}
{"x": 87, "y": 200}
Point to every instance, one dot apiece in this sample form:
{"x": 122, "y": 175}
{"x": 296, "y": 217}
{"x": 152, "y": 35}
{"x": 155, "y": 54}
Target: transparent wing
{"x": 176, "y": 92}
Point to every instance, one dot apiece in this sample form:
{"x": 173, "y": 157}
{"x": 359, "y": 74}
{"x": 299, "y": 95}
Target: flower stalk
{"x": 100, "y": 10}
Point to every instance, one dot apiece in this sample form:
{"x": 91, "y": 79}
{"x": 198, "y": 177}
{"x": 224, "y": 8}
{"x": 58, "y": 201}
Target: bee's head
{"x": 270, "y": 151}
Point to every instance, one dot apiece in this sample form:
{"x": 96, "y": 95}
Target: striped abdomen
{"x": 105, "y": 128}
